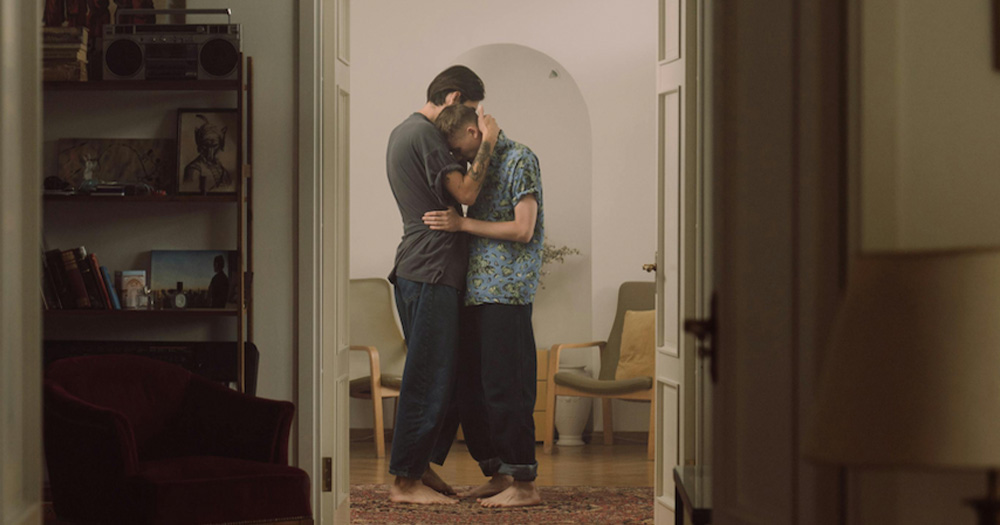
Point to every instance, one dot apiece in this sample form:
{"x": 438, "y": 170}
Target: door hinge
{"x": 327, "y": 475}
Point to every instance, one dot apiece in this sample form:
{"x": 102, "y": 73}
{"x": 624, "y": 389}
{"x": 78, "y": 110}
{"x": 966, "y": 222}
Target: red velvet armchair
{"x": 133, "y": 440}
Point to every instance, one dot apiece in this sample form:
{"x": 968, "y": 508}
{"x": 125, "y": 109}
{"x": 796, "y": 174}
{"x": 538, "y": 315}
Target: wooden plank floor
{"x": 621, "y": 465}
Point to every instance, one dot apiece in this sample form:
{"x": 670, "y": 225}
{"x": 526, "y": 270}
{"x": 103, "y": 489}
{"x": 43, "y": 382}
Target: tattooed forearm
{"x": 478, "y": 170}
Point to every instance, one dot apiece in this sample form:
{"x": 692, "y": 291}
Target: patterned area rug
{"x": 560, "y": 505}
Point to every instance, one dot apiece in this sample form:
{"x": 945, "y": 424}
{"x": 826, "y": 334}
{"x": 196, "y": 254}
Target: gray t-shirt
{"x": 417, "y": 160}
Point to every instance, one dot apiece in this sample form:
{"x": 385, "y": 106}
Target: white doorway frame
{"x": 323, "y": 247}
{"x": 306, "y": 454}
{"x": 20, "y": 238}
{"x": 322, "y": 204}
{"x": 309, "y": 245}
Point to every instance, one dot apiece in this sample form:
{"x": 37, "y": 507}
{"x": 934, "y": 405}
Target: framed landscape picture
{"x": 206, "y": 278}
{"x": 124, "y": 161}
{"x": 207, "y": 156}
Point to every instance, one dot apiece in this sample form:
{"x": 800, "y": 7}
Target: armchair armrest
{"x": 374, "y": 366}
{"x": 556, "y": 351}
{"x": 237, "y": 425}
{"x": 89, "y": 451}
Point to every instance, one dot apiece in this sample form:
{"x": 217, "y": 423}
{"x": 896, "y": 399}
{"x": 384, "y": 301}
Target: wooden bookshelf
{"x": 227, "y": 198}
{"x": 143, "y": 85}
{"x": 108, "y": 321}
{"x": 146, "y": 314}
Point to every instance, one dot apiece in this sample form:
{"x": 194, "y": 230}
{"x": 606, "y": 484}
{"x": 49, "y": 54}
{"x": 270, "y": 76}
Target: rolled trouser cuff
{"x": 405, "y": 473}
{"x": 520, "y": 472}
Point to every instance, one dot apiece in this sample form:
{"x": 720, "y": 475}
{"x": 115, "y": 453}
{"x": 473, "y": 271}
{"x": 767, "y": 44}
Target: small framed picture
{"x": 194, "y": 278}
{"x": 132, "y": 286}
{"x": 207, "y": 156}
{"x": 88, "y": 161}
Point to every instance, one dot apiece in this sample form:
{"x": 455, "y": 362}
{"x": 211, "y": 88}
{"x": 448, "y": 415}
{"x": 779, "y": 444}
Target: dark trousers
{"x": 495, "y": 391}
{"x": 429, "y": 314}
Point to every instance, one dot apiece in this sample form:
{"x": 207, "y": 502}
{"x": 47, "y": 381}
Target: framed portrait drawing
{"x": 207, "y": 152}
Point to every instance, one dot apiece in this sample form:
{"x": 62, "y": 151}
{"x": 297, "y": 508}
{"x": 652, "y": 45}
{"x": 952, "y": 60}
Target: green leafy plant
{"x": 552, "y": 254}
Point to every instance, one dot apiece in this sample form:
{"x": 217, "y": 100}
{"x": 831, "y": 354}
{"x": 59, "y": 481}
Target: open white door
{"x": 20, "y": 268}
{"x": 336, "y": 261}
{"x": 753, "y": 455}
{"x": 779, "y": 191}
{"x": 324, "y": 259}
{"x": 676, "y": 87}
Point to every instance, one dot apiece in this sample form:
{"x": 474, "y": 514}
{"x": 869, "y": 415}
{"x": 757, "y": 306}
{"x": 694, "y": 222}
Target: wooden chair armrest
{"x": 375, "y": 369}
{"x": 556, "y": 350}
{"x": 369, "y": 349}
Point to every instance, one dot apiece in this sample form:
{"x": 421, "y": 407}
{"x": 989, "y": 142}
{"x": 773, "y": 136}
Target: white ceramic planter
{"x": 572, "y": 412}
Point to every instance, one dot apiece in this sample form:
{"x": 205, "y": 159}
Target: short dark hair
{"x": 455, "y": 118}
{"x": 456, "y": 78}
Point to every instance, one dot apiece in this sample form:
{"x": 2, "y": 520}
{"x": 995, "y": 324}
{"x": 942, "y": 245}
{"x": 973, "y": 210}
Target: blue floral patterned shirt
{"x": 506, "y": 272}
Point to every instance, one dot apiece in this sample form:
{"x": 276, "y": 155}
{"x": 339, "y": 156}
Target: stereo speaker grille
{"x": 123, "y": 58}
{"x": 219, "y": 57}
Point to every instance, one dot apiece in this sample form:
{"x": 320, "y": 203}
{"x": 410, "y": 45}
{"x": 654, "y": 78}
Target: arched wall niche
{"x": 537, "y": 102}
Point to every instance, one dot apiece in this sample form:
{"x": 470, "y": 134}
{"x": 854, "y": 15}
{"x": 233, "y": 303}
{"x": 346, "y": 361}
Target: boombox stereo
{"x": 171, "y": 51}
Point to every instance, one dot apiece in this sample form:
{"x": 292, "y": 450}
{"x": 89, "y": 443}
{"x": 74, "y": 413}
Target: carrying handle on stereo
{"x": 121, "y": 12}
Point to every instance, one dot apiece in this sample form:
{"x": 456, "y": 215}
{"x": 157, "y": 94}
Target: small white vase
{"x": 572, "y": 412}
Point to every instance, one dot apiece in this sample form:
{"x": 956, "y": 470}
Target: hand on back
{"x": 445, "y": 220}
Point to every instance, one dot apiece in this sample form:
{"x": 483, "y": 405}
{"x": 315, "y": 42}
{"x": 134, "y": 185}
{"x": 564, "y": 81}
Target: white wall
{"x": 949, "y": 125}
{"x": 269, "y": 36}
{"x": 122, "y": 236}
{"x": 609, "y": 52}
{"x": 943, "y": 188}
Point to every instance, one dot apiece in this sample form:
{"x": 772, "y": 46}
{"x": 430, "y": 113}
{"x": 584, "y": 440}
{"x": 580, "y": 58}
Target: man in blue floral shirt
{"x": 497, "y": 359}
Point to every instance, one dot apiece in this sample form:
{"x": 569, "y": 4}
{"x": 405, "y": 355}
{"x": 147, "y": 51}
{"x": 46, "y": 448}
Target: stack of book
{"x": 73, "y": 279}
{"x": 64, "y": 53}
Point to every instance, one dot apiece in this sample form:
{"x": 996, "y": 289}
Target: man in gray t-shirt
{"x": 418, "y": 163}
{"x": 429, "y": 274}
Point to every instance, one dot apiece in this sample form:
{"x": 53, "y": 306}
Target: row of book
{"x": 64, "y": 53}
{"x": 73, "y": 279}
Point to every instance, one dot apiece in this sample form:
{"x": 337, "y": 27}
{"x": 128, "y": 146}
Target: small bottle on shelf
{"x": 179, "y": 299}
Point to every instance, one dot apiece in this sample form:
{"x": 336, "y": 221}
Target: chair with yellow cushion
{"x": 627, "y": 363}
{"x": 374, "y": 331}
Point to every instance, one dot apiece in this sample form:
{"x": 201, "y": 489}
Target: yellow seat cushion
{"x": 637, "y": 357}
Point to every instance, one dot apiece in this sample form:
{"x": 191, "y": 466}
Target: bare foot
{"x": 520, "y": 494}
{"x": 495, "y": 485}
{"x": 432, "y": 480}
{"x": 405, "y": 490}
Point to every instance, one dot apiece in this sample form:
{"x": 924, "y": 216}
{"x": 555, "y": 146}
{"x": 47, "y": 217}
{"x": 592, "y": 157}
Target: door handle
{"x": 649, "y": 267}
{"x": 706, "y": 332}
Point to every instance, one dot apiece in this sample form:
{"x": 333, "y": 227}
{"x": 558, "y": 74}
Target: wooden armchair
{"x": 632, "y": 296}
{"x": 375, "y": 332}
